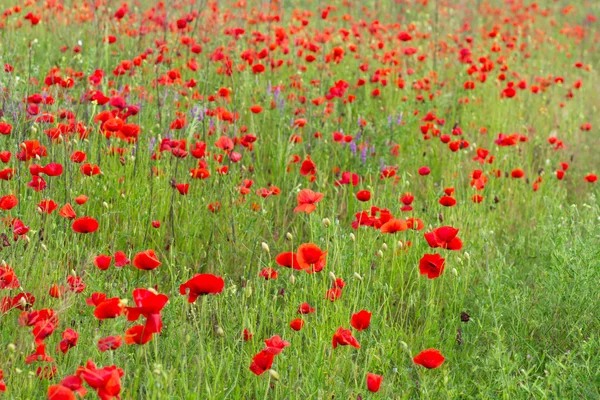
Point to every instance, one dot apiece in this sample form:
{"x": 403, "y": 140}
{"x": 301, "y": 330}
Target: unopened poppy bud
{"x": 12, "y": 347}
{"x": 157, "y": 371}
{"x": 26, "y": 238}
{"x": 459, "y": 260}
{"x": 105, "y": 204}
{"x": 124, "y": 302}
{"x": 219, "y": 331}
{"x": 352, "y": 237}
{"x": 265, "y": 247}
{"x": 379, "y": 253}
{"x": 4, "y": 264}
{"x": 44, "y": 247}
{"x": 467, "y": 256}
{"x": 384, "y": 247}
{"x": 404, "y": 346}
{"x": 248, "y": 291}
{"x": 18, "y": 371}
{"x": 73, "y": 272}
{"x": 289, "y": 236}
{"x": 454, "y": 272}
{"x": 292, "y": 279}
{"x": 357, "y": 276}
{"x": 326, "y": 222}
{"x": 22, "y": 302}
{"x": 37, "y": 157}
{"x": 123, "y": 195}
{"x": 332, "y": 276}
{"x": 274, "y": 374}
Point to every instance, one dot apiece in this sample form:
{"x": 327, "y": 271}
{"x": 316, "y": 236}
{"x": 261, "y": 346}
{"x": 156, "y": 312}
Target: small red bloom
{"x": 261, "y": 362}
{"x": 85, "y": 225}
{"x": 146, "y": 260}
{"x": 201, "y": 284}
{"x": 430, "y": 358}
{"x": 297, "y": 324}
{"x": 343, "y": 337}
{"x": 361, "y": 320}
{"x": 431, "y": 265}
{"x": 373, "y": 382}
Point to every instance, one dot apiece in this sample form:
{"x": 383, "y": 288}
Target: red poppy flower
{"x": 447, "y": 201}
{"x": 137, "y": 335}
{"x": 343, "y": 337}
{"x": 591, "y": 178}
{"x": 305, "y": 308}
{"x": 444, "y": 237}
{"x": 431, "y": 265}
{"x": 361, "y": 320}
{"x": 310, "y": 257}
{"x": 110, "y": 308}
{"x": 430, "y": 358}
{"x": 183, "y": 188}
{"x": 373, "y": 382}
{"x": 148, "y": 304}
{"x": 297, "y": 324}
{"x": 102, "y": 262}
{"x": 261, "y": 362}
{"x": 39, "y": 355}
{"x": 109, "y": 343}
{"x": 268, "y": 273}
{"x": 363, "y": 195}
{"x": 60, "y": 392}
{"x": 333, "y": 294}
{"x": 394, "y": 225}
{"x": 67, "y": 211}
{"x": 424, "y": 171}
{"x": 121, "y": 259}
{"x": 307, "y": 200}
{"x": 105, "y": 381}
{"x": 69, "y": 339}
{"x": 201, "y": 284}
{"x": 8, "y": 202}
{"x": 146, "y": 260}
{"x": 246, "y": 335}
{"x": 275, "y": 345}
{"x": 288, "y": 259}
{"x": 85, "y": 225}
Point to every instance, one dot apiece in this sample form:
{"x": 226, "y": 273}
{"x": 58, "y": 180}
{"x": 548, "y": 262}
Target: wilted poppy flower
{"x": 201, "y": 284}
{"x": 444, "y": 237}
{"x": 361, "y": 320}
{"x": 307, "y": 200}
{"x": 430, "y": 358}
{"x": 297, "y": 324}
{"x": 109, "y": 343}
{"x": 343, "y": 337}
{"x": 333, "y": 294}
{"x": 85, "y": 225}
{"x": 373, "y": 382}
{"x": 431, "y": 265}
{"x": 261, "y": 362}
{"x": 246, "y": 335}
{"x": 146, "y": 260}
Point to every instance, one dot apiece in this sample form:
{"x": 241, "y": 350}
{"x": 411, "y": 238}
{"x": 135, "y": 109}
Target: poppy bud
{"x": 274, "y": 375}
{"x": 18, "y": 371}
{"x": 326, "y": 222}
{"x": 44, "y": 247}
{"x": 404, "y": 346}
{"x": 352, "y": 237}
{"x": 265, "y": 247}
{"x": 467, "y": 256}
{"x": 157, "y": 371}
{"x": 384, "y": 247}
{"x": 292, "y": 279}
{"x": 357, "y": 276}
{"x": 289, "y": 236}
{"x": 219, "y": 331}
{"x": 105, "y": 204}
{"x": 22, "y": 302}
{"x": 26, "y": 238}
{"x": 152, "y": 290}
{"x": 379, "y": 253}
{"x": 454, "y": 272}
{"x": 248, "y": 291}
{"x": 332, "y": 276}
{"x": 4, "y": 264}
{"x": 11, "y": 347}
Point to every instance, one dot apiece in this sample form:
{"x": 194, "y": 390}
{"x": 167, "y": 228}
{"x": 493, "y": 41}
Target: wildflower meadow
{"x": 282, "y": 199}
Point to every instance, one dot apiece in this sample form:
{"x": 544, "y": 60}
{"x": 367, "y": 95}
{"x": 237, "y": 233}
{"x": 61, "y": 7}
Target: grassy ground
{"x": 526, "y": 276}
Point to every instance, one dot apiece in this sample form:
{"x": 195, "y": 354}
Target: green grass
{"x": 527, "y": 275}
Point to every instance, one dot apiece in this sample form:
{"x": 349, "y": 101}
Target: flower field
{"x": 293, "y": 199}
